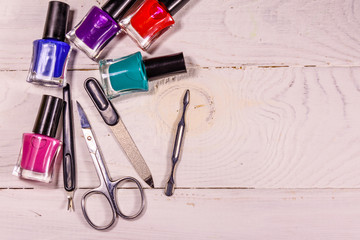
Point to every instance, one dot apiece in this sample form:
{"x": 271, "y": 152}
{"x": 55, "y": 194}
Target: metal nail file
{"x": 170, "y": 186}
{"x": 113, "y": 120}
{"x": 68, "y": 150}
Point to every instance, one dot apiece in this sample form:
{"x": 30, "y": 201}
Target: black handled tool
{"x": 113, "y": 120}
{"x": 170, "y": 186}
{"x": 68, "y": 150}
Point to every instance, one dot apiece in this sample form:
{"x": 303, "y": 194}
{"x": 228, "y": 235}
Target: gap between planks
{"x": 198, "y": 188}
{"x": 242, "y": 67}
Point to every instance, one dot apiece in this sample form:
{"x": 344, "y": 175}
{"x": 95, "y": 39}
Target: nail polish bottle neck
{"x": 40, "y": 135}
{"x": 52, "y": 39}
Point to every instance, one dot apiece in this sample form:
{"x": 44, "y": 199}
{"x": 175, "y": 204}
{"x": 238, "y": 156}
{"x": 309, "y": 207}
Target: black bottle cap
{"x": 174, "y": 5}
{"x": 56, "y": 20}
{"x": 48, "y": 116}
{"x": 165, "y": 65}
{"x": 117, "y": 8}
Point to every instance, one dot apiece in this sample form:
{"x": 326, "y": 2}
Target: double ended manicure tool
{"x": 170, "y": 186}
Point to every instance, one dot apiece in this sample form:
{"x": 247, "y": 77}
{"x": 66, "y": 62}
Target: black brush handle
{"x": 103, "y": 105}
{"x": 68, "y": 141}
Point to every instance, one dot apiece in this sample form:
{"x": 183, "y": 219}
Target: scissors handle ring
{"x": 142, "y": 204}
{"x": 83, "y": 207}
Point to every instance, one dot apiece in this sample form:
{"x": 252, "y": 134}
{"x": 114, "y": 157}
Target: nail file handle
{"x": 68, "y": 141}
{"x": 103, "y": 105}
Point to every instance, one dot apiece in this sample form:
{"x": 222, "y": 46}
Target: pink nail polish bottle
{"x": 40, "y": 148}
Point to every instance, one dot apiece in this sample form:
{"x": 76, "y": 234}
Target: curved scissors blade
{"x": 83, "y": 119}
{"x": 86, "y": 128}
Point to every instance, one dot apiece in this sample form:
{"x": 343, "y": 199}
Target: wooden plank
{"x": 212, "y": 33}
{"x": 274, "y": 104}
{"x": 191, "y": 214}
{"x": 252, "y": 127}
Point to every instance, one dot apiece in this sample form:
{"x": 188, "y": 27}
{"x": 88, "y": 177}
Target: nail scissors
{"x": 107, "y": 187}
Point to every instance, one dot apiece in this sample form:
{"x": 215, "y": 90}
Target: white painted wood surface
{"x": 272, "y": 146}
{"x": 193, "y": 214}
{"x": 214, "y": 33}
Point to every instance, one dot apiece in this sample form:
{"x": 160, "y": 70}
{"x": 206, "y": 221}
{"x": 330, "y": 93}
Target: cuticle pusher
{"x": 170, "y": 185}
{"x": 68, "y": 149}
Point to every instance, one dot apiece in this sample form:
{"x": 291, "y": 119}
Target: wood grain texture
{"x": 275, "y": 93}
{"x": 193, "y": 214}
{"x": 212, "y": 33}
{"x": 249, "y": 128}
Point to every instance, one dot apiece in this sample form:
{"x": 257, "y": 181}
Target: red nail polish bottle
{"x": 150, "y": 20}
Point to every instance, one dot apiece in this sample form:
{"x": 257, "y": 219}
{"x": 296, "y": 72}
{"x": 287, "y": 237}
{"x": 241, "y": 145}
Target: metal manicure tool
{"x": 68, "y": 150}
{"x": 113, "y": 120}
{"x": 170, "y": 186}
{"x": 107, "y": 186}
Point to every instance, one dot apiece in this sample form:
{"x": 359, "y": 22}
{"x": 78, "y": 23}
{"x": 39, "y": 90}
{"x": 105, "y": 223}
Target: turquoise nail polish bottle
{"x": 132, "y": 73}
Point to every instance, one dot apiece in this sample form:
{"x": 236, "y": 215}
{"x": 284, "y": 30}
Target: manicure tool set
{"x": 144, "y": 21}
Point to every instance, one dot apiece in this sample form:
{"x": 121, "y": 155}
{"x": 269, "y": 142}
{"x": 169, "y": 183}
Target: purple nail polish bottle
{"x": 99, "y": 27}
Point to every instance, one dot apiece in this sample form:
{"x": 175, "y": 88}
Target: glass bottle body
{"x": 123, "y": 75}
{"x": 148, "y": 22}
{"x": 94, "y": 32}
{"x": 37, "y": 157}
{"x": 49, "y": 63}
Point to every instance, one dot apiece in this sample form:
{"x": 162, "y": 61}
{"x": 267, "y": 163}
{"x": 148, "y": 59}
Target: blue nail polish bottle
{"x": 51, "y": 53}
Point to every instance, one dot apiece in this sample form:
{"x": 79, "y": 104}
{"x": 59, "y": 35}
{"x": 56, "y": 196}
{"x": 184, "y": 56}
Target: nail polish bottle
{"x": 150, "y": 20}
{"x": 40, "y": 148}
{"x": 50, "y": 54}
{"x": 99, "y": 27}
{"x": 132, "y": 73}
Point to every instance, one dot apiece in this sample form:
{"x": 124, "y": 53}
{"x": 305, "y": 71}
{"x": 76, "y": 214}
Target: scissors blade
{"x": 83, "y": 119}
{"x": 92, "y": 146}
{"x": 86, "y": 129}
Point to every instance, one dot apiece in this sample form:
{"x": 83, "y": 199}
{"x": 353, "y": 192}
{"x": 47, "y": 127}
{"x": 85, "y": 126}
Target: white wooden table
{"x": 272, "y": 148}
